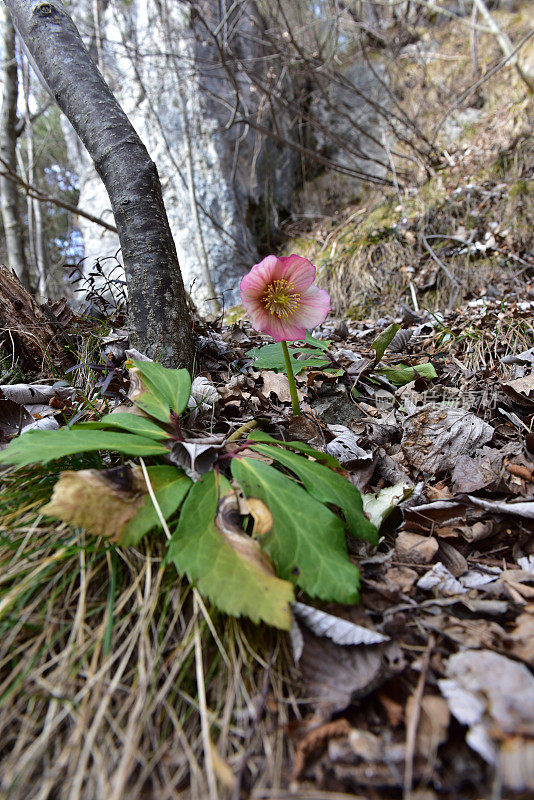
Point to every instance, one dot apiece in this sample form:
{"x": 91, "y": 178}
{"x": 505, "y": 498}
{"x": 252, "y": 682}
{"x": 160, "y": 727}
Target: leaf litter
{"x": 449, "y": 571}
{"x": 443, "y": 708}
{"x": 444, "y": 466}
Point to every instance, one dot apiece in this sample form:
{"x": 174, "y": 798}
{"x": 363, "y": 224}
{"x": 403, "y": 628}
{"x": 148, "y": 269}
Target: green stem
{"x": 291, "y": 380}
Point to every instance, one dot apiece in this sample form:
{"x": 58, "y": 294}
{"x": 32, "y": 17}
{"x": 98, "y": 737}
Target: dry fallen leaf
{"x": 516, "y": 763}
{"x": 435, "y": 436}
{"x": 276, "y": 383}
{"x": 433, "y": 724}
{"x": 334, "y": 676}
{"x": 415, "y": 549}
{"x": 441, "y": 581}
{"x": 521, "y": 638}
{"x": 525, "y": 510}
{"x": 492, "y": 695}
{"x": 23, "y": 393}
{"x": 521, "y": 390}
{"x": 13, "y": 419}
{"x": 401, "y": 578}
{"x": 196, "y": 456}
{"x": 100, "y": 501}
{"x": 345, "y": 446}
{"x": 340, "y": 631}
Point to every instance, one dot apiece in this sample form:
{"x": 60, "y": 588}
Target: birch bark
{"x": 8, "y": 152}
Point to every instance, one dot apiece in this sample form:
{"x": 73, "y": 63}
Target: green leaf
{"x": 321, "y": 344}
{"x": 153, "y": 406}
{"x": 307, "y": 541}
{"x": 43, "y": 446}
{"x": 271, "y": 356}
{"x": 379, "y": 506}
{"x": 327, "y": 487}
{"x": 129, "y": 422}
{"x": 382, "y": 342}
{"x": 170, "y": 486}
{"x": 403, "y": 373}
{"x": 105, "y": 504}
{"x": 427, "y": 370}
{"x": 171, "y": 386}
{"x": 229, "y": 570}
{"x": 302, "y": 447}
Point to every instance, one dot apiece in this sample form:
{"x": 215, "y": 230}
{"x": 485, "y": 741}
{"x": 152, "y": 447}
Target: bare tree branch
{"x": 35, "y": 192}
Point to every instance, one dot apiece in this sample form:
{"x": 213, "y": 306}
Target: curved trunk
{"x": 158, "y": 308}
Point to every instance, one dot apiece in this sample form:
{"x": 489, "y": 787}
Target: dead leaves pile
{"x": 442, "y": 705}
{"x": 425, "y": 689}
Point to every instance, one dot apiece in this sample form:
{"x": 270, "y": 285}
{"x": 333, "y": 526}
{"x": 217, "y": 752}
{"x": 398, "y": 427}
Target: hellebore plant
{"x": 282, "y": 301}
{"x": 247, "y": 531}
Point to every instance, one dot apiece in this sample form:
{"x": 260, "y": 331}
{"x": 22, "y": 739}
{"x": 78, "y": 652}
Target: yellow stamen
{"x": 281, "y": 299}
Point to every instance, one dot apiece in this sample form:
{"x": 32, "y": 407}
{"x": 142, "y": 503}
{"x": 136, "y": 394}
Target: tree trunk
{"x": 8, "y": 152}
{"x": 158, "y": 307}
{"x": 35, "y": 217}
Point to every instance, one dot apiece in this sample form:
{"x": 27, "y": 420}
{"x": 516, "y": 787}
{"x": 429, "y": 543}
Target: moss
{"x": 234, "y": 314}
{"x": 520, "y": 188}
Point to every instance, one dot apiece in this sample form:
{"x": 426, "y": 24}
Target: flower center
{"x": 281, "y": 299}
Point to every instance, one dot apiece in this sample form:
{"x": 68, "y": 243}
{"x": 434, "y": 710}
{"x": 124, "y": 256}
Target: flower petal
{"x": 260, "y": 276}
{"x": 313, "y": 309}
{"x": 297, "y": 270}
{"x": 251, "y": 299}
{"x": 260, "y": 319}
{"x": 284, "y": 330}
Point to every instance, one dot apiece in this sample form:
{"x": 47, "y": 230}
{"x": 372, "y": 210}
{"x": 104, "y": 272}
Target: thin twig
{"x": 413, "y": 722}
{"x": 440, "y": 264}
{"x": 203, "y": 708}
{"x": 37, "y": 194}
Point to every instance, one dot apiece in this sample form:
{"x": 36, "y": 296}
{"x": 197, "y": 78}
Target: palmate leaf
{"x": 129, "y": 422}
{"x": 271, "y": 356}
{"x": 44, "y": 446}
{"x": 327, "y": 487}
{"x": 307, "y": 541}
{"x": 172, "y": 387}
{"x": 229, "y": 570}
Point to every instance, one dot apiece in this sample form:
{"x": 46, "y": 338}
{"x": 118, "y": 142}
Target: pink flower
{"x": 281, "y": 299}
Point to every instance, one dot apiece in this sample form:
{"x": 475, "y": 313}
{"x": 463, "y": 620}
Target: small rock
{"x": 416, "y": 549}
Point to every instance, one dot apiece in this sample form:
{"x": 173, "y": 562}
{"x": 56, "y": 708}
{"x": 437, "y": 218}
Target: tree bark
{"x": 35, "y": 217}
{"x": 8, "y": 152}
{"x": 159, "y": 315}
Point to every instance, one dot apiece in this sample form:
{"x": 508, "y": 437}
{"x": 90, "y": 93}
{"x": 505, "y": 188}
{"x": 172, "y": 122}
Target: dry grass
{"x": 116, "y": 681}
{"x": 368, "y": 254}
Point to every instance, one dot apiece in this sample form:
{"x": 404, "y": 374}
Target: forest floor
{"x": 117, "y": 680}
